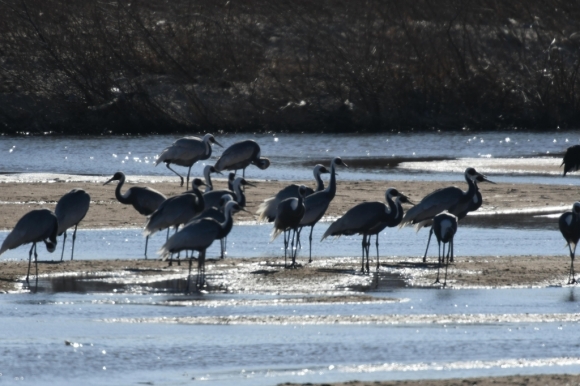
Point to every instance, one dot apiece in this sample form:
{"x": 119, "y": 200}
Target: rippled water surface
{"x": 112, "y": 329}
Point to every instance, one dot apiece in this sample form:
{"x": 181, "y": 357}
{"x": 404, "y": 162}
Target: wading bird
{"x": 213, "y": 198}
{"x": 207, "y": 175}
{"x": 144, "y": 199}
{"x": 198, "y": 236}
{"x": 569, "y": 223}
{"x": 444, "y": 226}
{"x": 240, "y": 155}
{"x": 571, "y": 159}
{"x": 316, "y": 204}
{"x": 367, "y": 219}
{"x": 288, "y": 216}
{"x": 36, "y": 225}
{"x": 267, "y": 209}
{"x": 186, "y": 152}
{"x": 176, "y": 211}
{"x": 452, "y": 199}
{"x": 218, "y": 215}
{"x": 70, "y": 211}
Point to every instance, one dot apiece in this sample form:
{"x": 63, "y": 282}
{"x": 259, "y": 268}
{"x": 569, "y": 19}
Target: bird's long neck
{"x": 331, "y": 188}
{"x": 208, "y": 183}
{"x": 122, "y": 198}
{"x": 398, "y": 207}
{"x": 228, "y": 218}
{"x": 200, "y": 203}
{"x": 319, "y": 182}
{"x": 471, "y": 189}
{"x": 207, "y": 148}
{"x": 240, "y": 194}
{"x": 391, "y": 211}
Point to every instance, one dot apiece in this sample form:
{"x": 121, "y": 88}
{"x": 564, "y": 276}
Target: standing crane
{"x": 187, "y": 151}
{"x": 70, "y": 210}
{"x": 288, "y": 216}
{"x": 144, "y": 199}
{"x": 240, "y": 155}
{"x": 569, "y": 223}
{"x": 36, "y": 225}
{"x": 444, "y": 226}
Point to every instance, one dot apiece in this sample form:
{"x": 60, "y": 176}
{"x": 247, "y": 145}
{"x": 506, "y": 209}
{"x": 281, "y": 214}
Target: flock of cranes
{"x": 201, "y": 218}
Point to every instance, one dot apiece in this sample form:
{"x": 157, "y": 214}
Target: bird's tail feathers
{"x": 262, "y": 211}
{"x": 422, "y": 224}
{"x": 275, "y": 233}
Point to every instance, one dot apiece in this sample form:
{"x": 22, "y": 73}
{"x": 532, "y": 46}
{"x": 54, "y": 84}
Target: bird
{"x": 444, "y": 226}
{"x": 451, "y": 198}
{"x": 144, "y": 199}
{"x": 70, "y": 210}
{"x": 176, "y": 210}
{"x": 187, "y": 151}
{"x": 367, "y": 219}
{"x": 231, "y": 179}
{"x": 571, "y": 159}
{"x": 316, "y": 204}
{"x": 36, "y": 225}
{"x": 267, "y": 209}
{"x": 213, "y": 198}
{"x": 198, "y": 236}
{"x": 288, "y": 216}
{"x": 217, "y": 213}
{"x": 240, "y": 155}
{"x": 569, "y": 223}
{"x": 207, "y": 175}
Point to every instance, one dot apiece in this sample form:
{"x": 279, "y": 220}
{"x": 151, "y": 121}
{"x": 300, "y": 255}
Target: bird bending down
{"x": 213, "y": 198}
{"x": 316, "y": 204}
{"x": 187, "y": 151}
{"x": 70, "y": 211}
{"x": 198, "y": 236}
{"x": 569, "y": 223}
{"x": 267, "y": 209}
{"x": 240, "y": 155}
{"x": 452, "y": 199}
{"x": 176, "y": 210}
{"x": 144, "y": 199}
{"x": 288, "y": 216}
{"x": 571, "y": 159}
{"x": 36, "y": 225}
{"x": 367, "y": 219}
{"x": 444, "y": 226}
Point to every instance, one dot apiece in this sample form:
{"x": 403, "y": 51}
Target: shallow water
{"x": 375, "y": 157}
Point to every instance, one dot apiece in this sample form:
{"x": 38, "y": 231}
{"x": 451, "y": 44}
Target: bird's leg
{"x": 179, "y": 175}
{"x": 571, "y": 279}
{"x": 201, "y": 269}
{"x": 426, "y": 249}
{"x": 377, "y": 245}
{"x": 363, "y": 247}
{"x": 285, "y": 249}
{"x": 63, "y": 243}
{"x": 299, "y": 244}
{"x": 222, "y": 247}
{"x": 293, "y": 232}
{"x": 167, "y": 235}
{"x": 310, "y": 243}
{"x": 189, "y": 275}
{"x": 73, "y": 246}
{"x": 367, "y": 249}
{"x": 187, "y": 182}
{"x": 146, "y": 242}
{"x": 438, "y": 265}
{"x": 36, "y": 264}
{"x": 29, "y": 264}
{"x": 450, "y": 248}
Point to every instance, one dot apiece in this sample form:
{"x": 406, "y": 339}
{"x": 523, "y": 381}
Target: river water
{"x": 98, "y": 332}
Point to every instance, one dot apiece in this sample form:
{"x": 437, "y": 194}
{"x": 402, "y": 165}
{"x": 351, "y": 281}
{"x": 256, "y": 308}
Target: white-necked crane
{"x": 213, "y": 198}
{"x": 368, "y": 219}
{"x": 35, "y": 226}
{"x": 70, "y": 210}
{"x": 267, "y": 209}
{"x": 288, "y": 216}
{"x": 240, "y": 155}
{"x": 187, "y": 151}
{"x": 144, "y": 199}
{"x": 569, "y": 224}
{"x": 315, "y": 205}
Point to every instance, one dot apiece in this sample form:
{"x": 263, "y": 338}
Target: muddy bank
{"x": 106, "y": 211}
{"x": 323, "y": 276}
{"x": 512, "y": 380}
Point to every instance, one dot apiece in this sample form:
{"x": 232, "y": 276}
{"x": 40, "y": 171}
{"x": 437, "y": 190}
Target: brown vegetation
{"x": 155, "y": 67}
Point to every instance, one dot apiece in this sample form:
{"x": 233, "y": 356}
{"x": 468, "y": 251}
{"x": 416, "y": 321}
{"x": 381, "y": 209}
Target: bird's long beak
{"x": 108, "y": 181}
{"x": 406, "y": 199}
{"x": 217, "y": 143}
{"x": 482, "y": 178}
{"x": 250, "y": 184}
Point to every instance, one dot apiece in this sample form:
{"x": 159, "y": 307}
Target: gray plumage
{"x": 367, "y": 219}
{"x": 207, "y": 171}
{"x": 240, "y": 155}
{"x": 198, "y": 236}
{"x": 569, "y": 224}
{"x": 187, "y": 151}
{"x": 144, "y": 199}
{"x": 267, "y": 209}
{"x": 571, "y": 160}
{"x": 213, "y": 198}
{"x": 444, "y": 226}
{"x": 288, "y": 216}
{"x": 217, "y": 213}
{"x": 315, "y": 205}
{"x": 70, "y": 210}
{"x": 176, "y": 210}
{"x": 36, "y": 225}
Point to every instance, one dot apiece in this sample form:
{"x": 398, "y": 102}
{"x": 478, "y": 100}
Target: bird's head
{"x": 241, "y": 181}
{"x": 50, "y": 245}
{"x": 197, "y": 183}
{"x": 116, "y": 177}
{"x": 394, "y": 193}
{"x": 475, "y": 176}
{"x": 320, "y": 169}
{"x": 576, "y": 208}
{"x": 302, "y": 191}
{"x": 262, "y": 163}
{"x": 338, "y": 161}
{"x": 225, "y": 199}
{"x": 210, "y": 169}
{"x": 211, "y": 139}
